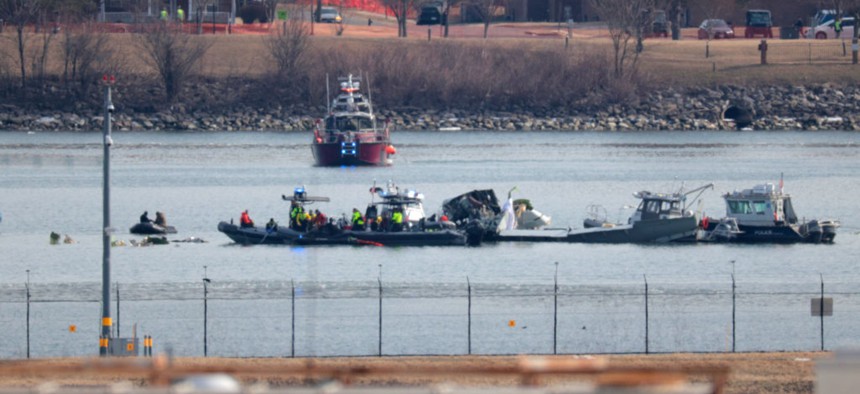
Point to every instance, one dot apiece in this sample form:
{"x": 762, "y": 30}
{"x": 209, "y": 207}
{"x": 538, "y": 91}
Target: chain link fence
{"x": 291, "y": 319}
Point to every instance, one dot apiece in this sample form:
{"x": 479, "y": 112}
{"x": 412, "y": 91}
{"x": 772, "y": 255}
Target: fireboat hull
{"x": 347, "y": 154}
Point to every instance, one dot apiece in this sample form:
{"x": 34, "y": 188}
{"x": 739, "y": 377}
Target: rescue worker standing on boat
{"x": 357, "y": 220}
{"x": 296, "y": 216}
{"x": 397, "y": 220}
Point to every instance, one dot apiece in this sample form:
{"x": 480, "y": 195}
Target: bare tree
{"x": 40, "y": 53}
{"x": 173, "y": 54}
{"x": 87, "y": 53}
{"x": 674, "y": 9}
{"x": 625, "y": 20}
{"x": 446, "y": 10}
{"x": 287, "y": 48}
{"x": 271, "y": 6}
{"x": 400, "y": 9}
{"x": 20, "y": 13}
{"x": 200, "y": 12}
{"x": 487, "y": 10}
{"x": 851, "y": 7}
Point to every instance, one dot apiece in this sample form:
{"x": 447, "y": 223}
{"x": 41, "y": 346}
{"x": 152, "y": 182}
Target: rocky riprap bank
{"x": 820, "y": 107}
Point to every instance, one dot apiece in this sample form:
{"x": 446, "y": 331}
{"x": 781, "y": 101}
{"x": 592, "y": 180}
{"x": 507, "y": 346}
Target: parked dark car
{"x": 714, "y": 29}
{"x": 431, "y": 14}
{"x": 660, "y": 24}
{"x": 759, "y": 23}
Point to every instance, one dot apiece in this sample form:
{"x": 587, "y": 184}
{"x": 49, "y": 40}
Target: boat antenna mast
{"x": 327, "y": 96}
{"x": 370, "y": 99}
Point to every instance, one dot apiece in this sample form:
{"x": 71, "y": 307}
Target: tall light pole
{"x": 104, "y": 341}
{"x": 28, "y": 313}
{"x": 206, "y": 282}
{"x": 555, "y": 312}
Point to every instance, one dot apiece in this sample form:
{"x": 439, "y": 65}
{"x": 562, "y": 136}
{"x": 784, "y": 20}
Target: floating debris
{"x": 194, "y": 240}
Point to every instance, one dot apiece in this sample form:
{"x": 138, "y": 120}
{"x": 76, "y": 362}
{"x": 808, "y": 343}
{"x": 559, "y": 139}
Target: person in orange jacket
{"x": 245, "y": 220}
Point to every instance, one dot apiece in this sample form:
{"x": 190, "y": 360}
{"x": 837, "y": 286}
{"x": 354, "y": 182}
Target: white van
{"x": 825, "y": 30}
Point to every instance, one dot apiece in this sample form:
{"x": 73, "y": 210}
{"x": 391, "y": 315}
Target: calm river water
{"x": 52, "y": 182}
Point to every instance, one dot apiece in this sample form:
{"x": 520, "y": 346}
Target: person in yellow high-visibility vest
{"x": 180, "y": 15}
{"x": 397, "y": 220}
{"x": 357, "y": 220}
{"x": 296, "y": 216}
{"x": 164, "y": 14}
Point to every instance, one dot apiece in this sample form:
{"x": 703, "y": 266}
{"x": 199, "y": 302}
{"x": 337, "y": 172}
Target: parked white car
{"x": 825, "y": 30}
{"x": 329, "y": 15}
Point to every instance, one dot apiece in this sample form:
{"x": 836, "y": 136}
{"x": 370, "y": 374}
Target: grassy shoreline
{"x": 533, "y": 77}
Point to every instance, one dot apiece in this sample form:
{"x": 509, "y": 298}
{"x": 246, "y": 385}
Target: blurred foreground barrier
{"x": 528, "y": 375}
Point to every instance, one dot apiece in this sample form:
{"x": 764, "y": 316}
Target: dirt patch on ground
{"x": 748, "y": 372}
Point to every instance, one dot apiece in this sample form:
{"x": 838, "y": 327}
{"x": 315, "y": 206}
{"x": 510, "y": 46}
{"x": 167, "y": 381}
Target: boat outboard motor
{"x": 370, "y": 217}
{"x": 475, "y": 233}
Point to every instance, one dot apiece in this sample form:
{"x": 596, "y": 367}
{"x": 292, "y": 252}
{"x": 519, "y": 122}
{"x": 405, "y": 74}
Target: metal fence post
{"x": 821, "y": 306}
{"x": 734, "y": 308}
{"x": 117, "y": 310}
{"x": 646, "y": 314}
{"x": 293, "y": 320}
{"x": 27, "y": 288}
{"x": 469, "y": 314}
{"x": 205, "y": 313}
{"x": 555, "y": 313}
{"x": 379, "y": 280}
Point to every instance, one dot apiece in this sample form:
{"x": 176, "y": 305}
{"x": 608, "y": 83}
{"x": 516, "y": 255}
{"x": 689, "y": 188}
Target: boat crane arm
{"x": 700, "y": 190}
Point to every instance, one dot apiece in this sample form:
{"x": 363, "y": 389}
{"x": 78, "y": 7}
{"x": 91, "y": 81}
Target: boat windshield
{"x": 739, "y": 207}
{"x": 760, "y": 207}
{"x": 659, "y": 206}
{"x": 348, "y": 123}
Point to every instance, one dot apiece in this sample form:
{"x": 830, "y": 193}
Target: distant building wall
{"x": 551, "y": 11}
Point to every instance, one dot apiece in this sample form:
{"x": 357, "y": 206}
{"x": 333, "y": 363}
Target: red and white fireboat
{"x": 349, "y": 136}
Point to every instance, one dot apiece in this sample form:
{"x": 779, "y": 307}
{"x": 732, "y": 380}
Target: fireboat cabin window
{"x": 760, "y": 207}
{"x": 348, "y": 123}
{"x": 740, "y": 207}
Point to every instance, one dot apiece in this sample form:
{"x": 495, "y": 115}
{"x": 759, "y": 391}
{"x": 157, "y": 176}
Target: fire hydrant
{"x": 763, "y": 49}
